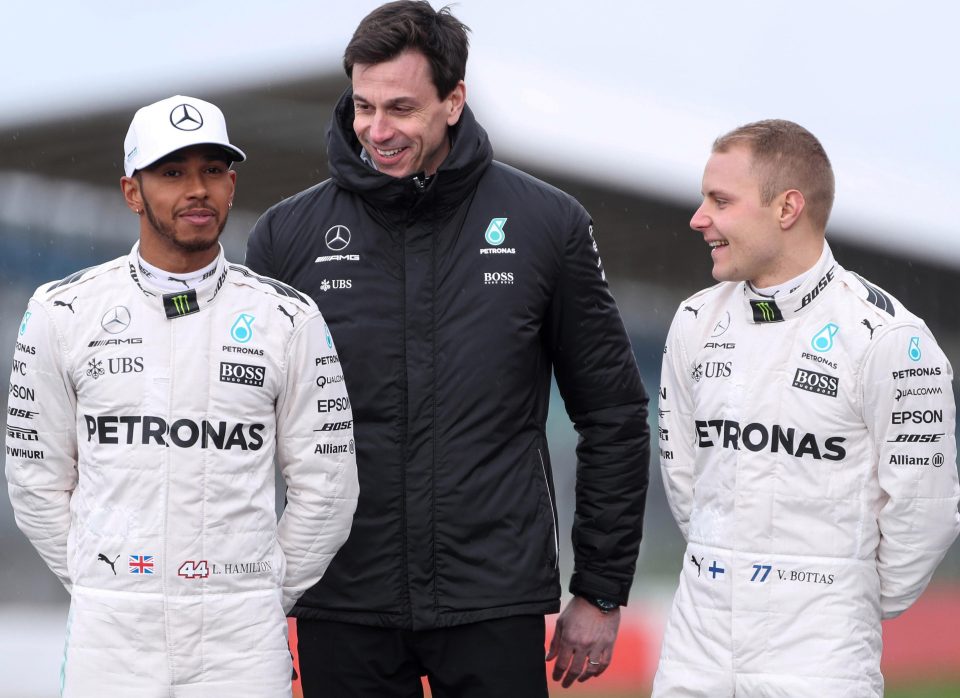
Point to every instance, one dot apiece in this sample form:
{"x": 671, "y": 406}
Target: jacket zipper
{"x": 553, "y": 513}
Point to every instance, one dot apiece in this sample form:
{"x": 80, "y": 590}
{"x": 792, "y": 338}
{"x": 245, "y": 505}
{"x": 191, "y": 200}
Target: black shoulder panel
{"x": 280, "y": 288}
{"x": 877, "y": 297}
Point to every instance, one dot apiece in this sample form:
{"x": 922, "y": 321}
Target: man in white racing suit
{"x": 806, "y": 442}
{"x": 150, "y": 398}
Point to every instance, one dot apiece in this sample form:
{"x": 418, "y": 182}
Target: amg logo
{"x": 715, "y": 345}
{"x": 244, "y": 374}
{"x": 115, "y": 342}
{"x": 759, "y": 437}
{"x": 814, "y": 382}
{"x": 338, "y": 258}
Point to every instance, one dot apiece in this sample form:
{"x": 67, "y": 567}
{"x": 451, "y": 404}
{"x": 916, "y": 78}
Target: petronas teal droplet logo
{"x": 242, "y": 330}
{"x": 823, "y": 340}
{"x": 914, "y": 351}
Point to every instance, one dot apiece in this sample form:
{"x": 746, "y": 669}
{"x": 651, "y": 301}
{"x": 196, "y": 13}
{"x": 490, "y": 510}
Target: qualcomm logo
{"x": 914, "y": 351}
{"x": 823, "y": 340}
{"x": 242, "y": 330}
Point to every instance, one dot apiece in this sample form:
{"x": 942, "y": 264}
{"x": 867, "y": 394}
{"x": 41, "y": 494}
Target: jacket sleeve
{"x": 598, "y": 378}
{"x": 260, "y": 248}
{"x": 676, "y": 429}
{"x": 317, "y": 458}
{"x": 41, "y": 440}
{"x": 909, "y": 411}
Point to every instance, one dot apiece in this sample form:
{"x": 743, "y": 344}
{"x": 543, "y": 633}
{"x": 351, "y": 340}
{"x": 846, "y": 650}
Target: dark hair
{"x": 405, "y": 25}
{"x": 786, "y": 156}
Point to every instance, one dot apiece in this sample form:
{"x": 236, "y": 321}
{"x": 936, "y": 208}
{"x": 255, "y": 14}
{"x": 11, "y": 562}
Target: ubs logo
{"x": 711, "y": 369}
{"x": 337, "y": 238}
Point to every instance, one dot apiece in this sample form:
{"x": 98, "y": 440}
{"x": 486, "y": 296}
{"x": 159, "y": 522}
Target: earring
{"x": 139, "y": 211}
{"x": 229, "y": 204}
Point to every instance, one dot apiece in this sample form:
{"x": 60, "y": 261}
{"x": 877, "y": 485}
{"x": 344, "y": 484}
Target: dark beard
{"x": 167, "y": 233}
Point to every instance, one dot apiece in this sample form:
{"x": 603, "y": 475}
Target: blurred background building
{"x": 616, "y": 104}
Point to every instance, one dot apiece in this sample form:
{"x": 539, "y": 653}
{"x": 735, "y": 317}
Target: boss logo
{"x": 814, "y": 382}
{"x": 244, "y": 374}
{"x": 498, "y": 278}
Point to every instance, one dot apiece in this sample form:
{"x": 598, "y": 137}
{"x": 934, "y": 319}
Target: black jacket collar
{"x": 470, "y": 154}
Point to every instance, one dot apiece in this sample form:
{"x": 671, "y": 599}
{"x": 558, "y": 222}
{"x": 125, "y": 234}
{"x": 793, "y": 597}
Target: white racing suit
{"x": 808, "y": 453}
{"x": 142, "y": 434}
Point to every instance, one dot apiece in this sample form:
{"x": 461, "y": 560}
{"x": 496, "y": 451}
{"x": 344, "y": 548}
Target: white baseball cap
{"x": 171, "y": 124}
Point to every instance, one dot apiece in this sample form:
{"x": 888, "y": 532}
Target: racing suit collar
{"x": 760, "y": 309}
{"x": 178, "y": 304}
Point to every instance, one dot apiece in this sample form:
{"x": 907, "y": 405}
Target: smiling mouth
{"x": 388, "y": 153}
{"x": 718, "y": 243}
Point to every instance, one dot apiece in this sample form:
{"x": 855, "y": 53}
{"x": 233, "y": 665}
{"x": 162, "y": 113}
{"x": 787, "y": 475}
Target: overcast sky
{"x": 630, "y": 93}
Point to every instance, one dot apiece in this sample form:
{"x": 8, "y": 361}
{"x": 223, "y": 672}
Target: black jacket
{"x": 447, "y": 339}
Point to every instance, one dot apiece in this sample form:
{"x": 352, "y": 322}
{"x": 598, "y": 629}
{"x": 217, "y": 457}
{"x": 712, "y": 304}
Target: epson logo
{"x": 916, "y": 373}
{"x": 502, "y": 278}
{"x": 814, "y": 382}
{"x": 917, "y": 417}
{"x": 21, "y": 393}
{"x": 243, "y": 374}
{"x": 759, "y": 437}
{"x": 115, "y": 342}
{"x": 338, "y": 404}
{"x": 183, "y": 433}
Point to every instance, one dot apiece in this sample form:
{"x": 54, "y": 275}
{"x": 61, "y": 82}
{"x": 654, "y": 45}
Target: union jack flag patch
{"x": 141, "y": 564}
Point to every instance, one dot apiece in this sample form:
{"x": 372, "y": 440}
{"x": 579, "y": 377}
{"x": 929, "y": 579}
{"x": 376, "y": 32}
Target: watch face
{"x": 605, "y": 605}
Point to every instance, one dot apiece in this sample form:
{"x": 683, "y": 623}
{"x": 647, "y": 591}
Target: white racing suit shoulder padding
{"x": 809, "y": 457}
{"x": 143, "y": 432}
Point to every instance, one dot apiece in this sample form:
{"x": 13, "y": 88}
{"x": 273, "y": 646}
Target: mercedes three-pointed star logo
{"x": 115, "y": 320}
{"x": 186, "y": 117}
{"x": 337, "y": 238}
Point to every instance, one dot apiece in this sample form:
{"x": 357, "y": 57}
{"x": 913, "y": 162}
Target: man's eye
{"x": 171, "y": 173}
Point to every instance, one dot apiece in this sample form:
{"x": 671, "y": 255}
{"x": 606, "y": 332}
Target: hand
{"x": 583, "y": 641}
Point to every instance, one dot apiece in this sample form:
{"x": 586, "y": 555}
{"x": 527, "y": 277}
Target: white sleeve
{"x": 910, "y": 412}
{"x": 676, "y": 429}
{"x": 317, "y": 457}
{"x": 41, "y": 440}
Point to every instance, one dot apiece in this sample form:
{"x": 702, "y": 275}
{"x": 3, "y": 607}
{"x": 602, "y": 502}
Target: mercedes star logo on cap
{"x": 116, "y": 319}
{"x": 186, "y": 117}
{"x": 337, "y": 238}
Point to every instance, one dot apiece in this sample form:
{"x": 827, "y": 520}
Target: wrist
{"x": 604, "y": 605}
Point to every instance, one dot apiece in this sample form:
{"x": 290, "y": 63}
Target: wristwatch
{"x": 605, "y": 605}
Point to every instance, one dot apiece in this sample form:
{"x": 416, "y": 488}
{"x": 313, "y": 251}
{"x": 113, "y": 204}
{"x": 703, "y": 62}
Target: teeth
{"x": 389, "y": 153}
{"x": 718, "y": 243}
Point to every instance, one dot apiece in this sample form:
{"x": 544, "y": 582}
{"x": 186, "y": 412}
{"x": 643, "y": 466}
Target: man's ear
{"x": 130, "y": 186}
{"x": 455, "y": 102}
{"x": 790, "y": 206}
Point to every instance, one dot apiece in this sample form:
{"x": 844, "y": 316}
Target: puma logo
{"x": 284, "y": 311}
{"x": 103, "y": 558}
{"x": 692, "y": 558}
{"x": 64, "y": 304}
{"x": 866, "y": 323}
{"x": 692, "y": 310}
{"x": 182, "y": 281}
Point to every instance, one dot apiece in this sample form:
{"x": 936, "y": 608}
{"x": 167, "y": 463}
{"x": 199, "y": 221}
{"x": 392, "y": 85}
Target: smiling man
{"x": 456, "y": 285}
{"x": 150, "y": 400}
{"x": 806, "y": 442}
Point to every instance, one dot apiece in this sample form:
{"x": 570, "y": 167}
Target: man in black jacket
{"x": 456, "y": 284}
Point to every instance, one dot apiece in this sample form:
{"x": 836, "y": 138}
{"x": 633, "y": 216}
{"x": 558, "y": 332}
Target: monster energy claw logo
{"x": 495, "y": 235}
{"x": 766, "y": 311}
{"x": 181, "y": 304}
{"x": 242, "y": 330}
